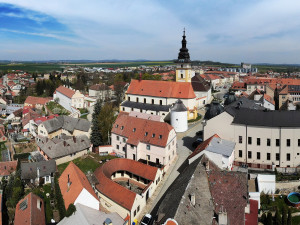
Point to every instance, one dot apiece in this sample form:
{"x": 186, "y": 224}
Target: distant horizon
{"x": 220, "y": 31}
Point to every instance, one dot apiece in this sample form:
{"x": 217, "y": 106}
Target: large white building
{"x": 144, "y": 140}
{"x": 263, "y": 138}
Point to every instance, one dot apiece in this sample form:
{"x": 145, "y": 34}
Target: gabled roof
{"x": 142, "y": 130}
{"x": 99, "y": 87}
{"x": 88, "y": 216}
{"x": 161, "y": 89}
{"x": 65, "y": 91}
{"x": 116, "y": 192}
{"x": 6, "y": 168}
{"x": 57, "y": 148}
{"x": 27, "y": 211}
{"x": 199, "y": 84}
{"x": 31, "y": 100}
{"x": 78, "y": 182}
{"x": 29, "y": 170}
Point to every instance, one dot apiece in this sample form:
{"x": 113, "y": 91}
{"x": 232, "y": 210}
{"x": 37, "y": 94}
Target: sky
{"x": 231, "y": 31}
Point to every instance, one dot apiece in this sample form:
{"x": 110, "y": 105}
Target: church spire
{"x": 183, "y": 55}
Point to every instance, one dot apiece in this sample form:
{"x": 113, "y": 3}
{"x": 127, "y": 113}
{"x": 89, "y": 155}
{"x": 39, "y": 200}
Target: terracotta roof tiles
{"x": 161, "y": 89}
{"x": 65, "y": 91}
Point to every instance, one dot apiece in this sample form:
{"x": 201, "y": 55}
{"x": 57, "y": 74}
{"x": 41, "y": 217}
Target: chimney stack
{"x": 193, "y": 199}
{"x": 68, "y": 181}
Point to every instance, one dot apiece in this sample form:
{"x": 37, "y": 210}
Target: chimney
{"x": 74, "y": 139}
{"x": 207, "y": 166}
{"x": 65, "y": 143}
{"x": 193, "y": 199}
{"x": 38, "y": 172}
{"x": 68, "y": 181}
{"x": 247, "y": 208}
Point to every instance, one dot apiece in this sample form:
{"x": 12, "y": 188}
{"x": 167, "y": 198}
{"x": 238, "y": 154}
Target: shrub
{"x": 71, "y": 209}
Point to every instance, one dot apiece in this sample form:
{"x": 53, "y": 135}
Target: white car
{"x": 147, "y": 220}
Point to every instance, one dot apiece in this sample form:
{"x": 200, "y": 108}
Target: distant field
{"x": 48, "y": 67}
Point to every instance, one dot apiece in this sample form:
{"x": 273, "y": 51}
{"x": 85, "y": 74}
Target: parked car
{"x": 199, "y": 133}
{"x": 147, "y": 220}
{"x": 197, "y": 142}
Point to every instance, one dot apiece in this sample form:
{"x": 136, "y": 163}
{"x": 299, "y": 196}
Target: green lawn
{"x": 296, "y": 220}
{"x": 57, "y": 108}
{"x": 89, "y": 163}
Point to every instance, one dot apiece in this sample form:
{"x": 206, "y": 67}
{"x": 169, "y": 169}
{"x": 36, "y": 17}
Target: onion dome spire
{"x": 183, "y": 56}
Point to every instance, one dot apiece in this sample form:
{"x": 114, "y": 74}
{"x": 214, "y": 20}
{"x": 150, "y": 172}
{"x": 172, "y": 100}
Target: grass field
{"x": 48, "y": 67}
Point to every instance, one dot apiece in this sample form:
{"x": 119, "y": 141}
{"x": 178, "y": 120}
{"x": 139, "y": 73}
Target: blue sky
{"x": 220, "y": 30}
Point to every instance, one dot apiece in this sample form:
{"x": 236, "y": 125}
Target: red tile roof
{"x": 269, "y": 99}
{"x": 31, "y": 100}
{"x": 44, "y": 118}
{"x": 65, "y": 91}
{"x": 252, "y": 217}
{"x": 161, "y": 89}
{"x": 6, "y": 168}
{"x": 31, "y": 214}
{"x": 78, "y": 182}
{"x": 202, "y": 146}
{"x": 116, "y": 192}
{"x": 135, "y": 130}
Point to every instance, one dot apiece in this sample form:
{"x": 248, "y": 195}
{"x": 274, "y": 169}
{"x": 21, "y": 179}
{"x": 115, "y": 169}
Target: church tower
{"x": 184, "y": 71}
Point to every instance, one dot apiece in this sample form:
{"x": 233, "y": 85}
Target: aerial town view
{"x": 149, "y": 112}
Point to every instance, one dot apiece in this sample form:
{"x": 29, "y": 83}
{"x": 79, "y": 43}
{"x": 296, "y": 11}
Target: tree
{"x": 96, "y": 137}
{"x": 71, "y": 209}
{"x": 263, "y": 218}
{"x": 284, "y": 216}
{"x": 277, "y": 217}
{"x": 106, "y": 119}
{"x": 289, "y": 218}
{"x": 59, "y": 199}
{"x": 269, "y": 219}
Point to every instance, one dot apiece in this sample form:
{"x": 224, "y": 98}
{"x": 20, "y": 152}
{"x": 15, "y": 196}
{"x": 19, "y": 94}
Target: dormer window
{"x": 146, "y": 133}
{"x": 122, "y": 127}
{"x": 134, "y": 129}
{"x": 153, "y": 135}
{"x": 160, "y": 136}
{"x": 117, "y": 125}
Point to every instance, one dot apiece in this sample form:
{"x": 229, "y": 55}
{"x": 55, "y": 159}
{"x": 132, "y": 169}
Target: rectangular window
{"x": 124, "y": 140}
{"x": 258, "y": 155}
{"x": 268, "y": 156}
{"x": 268, "y": 142}
{"x": 298, "y": 142}
{"x": 118, "y": 146}
{"x": 118, "y": 138}
{"x": 152, "y": 101}
{"x": 277, "y": 157}
{"x": 160, "y": 102}
{"x": 277, "y": 142}
{"x": 240, "y": 139}
{"x": 240, "y": 153}
{"x": 144, "y": 100}
{"x": 148, "y": 147}
{"x": 258, "y": 141}
{"x": 137, "y": 99}
{"x": 288, "y": 142}
{"x": 288, "y": 157}
{"x": 249, "y": 140}
{"x": 249, "y": 154}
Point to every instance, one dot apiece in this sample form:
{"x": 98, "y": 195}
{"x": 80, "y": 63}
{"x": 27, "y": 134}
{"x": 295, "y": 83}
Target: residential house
{"x": 36, "y": 102}
{"x": 75, "y": 188}
{"x": 202, "y": 90}
{"x": 7, "y": 168}
{"x": 69, "y": 98}
{"x": 88, "y": 216}
{"x": 218, "y": 150}
{"x": 125, "y": 185}
{"x": 41, "y": 172}
{"x": 64, "y": 125}
{"x": 30, "y": 211}
{"x": 34, "y": 123}
{"x": 144, "y": 140}
{"x": 63, "y": 149}
{"x": 100, "y": 91}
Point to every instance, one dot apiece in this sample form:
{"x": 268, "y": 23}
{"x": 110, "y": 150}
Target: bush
{"x": 60, "y": 200}
{"x": 21, "y": 156}
{"x": 71, "y": 209}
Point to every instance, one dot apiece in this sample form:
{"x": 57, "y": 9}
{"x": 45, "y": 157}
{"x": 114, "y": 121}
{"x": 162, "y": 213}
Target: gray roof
{"x": 29, "y": 170}
{"x": 68, "y": 123}
{"x": 267, "y": 118}
{"x": 85, "y": 215}
{"x": 241, "y": 103}
{"x": 179, "y": 106}
{"x": 221, "y": 146}
{"x": 174, "y": 202}
{"x": 59, "y": 147}
{"x": 145, "y": 106}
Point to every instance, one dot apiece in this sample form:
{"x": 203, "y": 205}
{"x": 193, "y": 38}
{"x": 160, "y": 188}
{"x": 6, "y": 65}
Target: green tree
{"x": 289, "y": 218}
{"x": 59, "y": 199}
{"x": 269, "y": 219}
{"x": 263, "y": 218}
{"x": 96, "y": 137}
{"x": 284, "y": 216}
{"x": 71, "y": 209}
{"x": 277, "y": 217}
{"x": 106, "y": 119}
